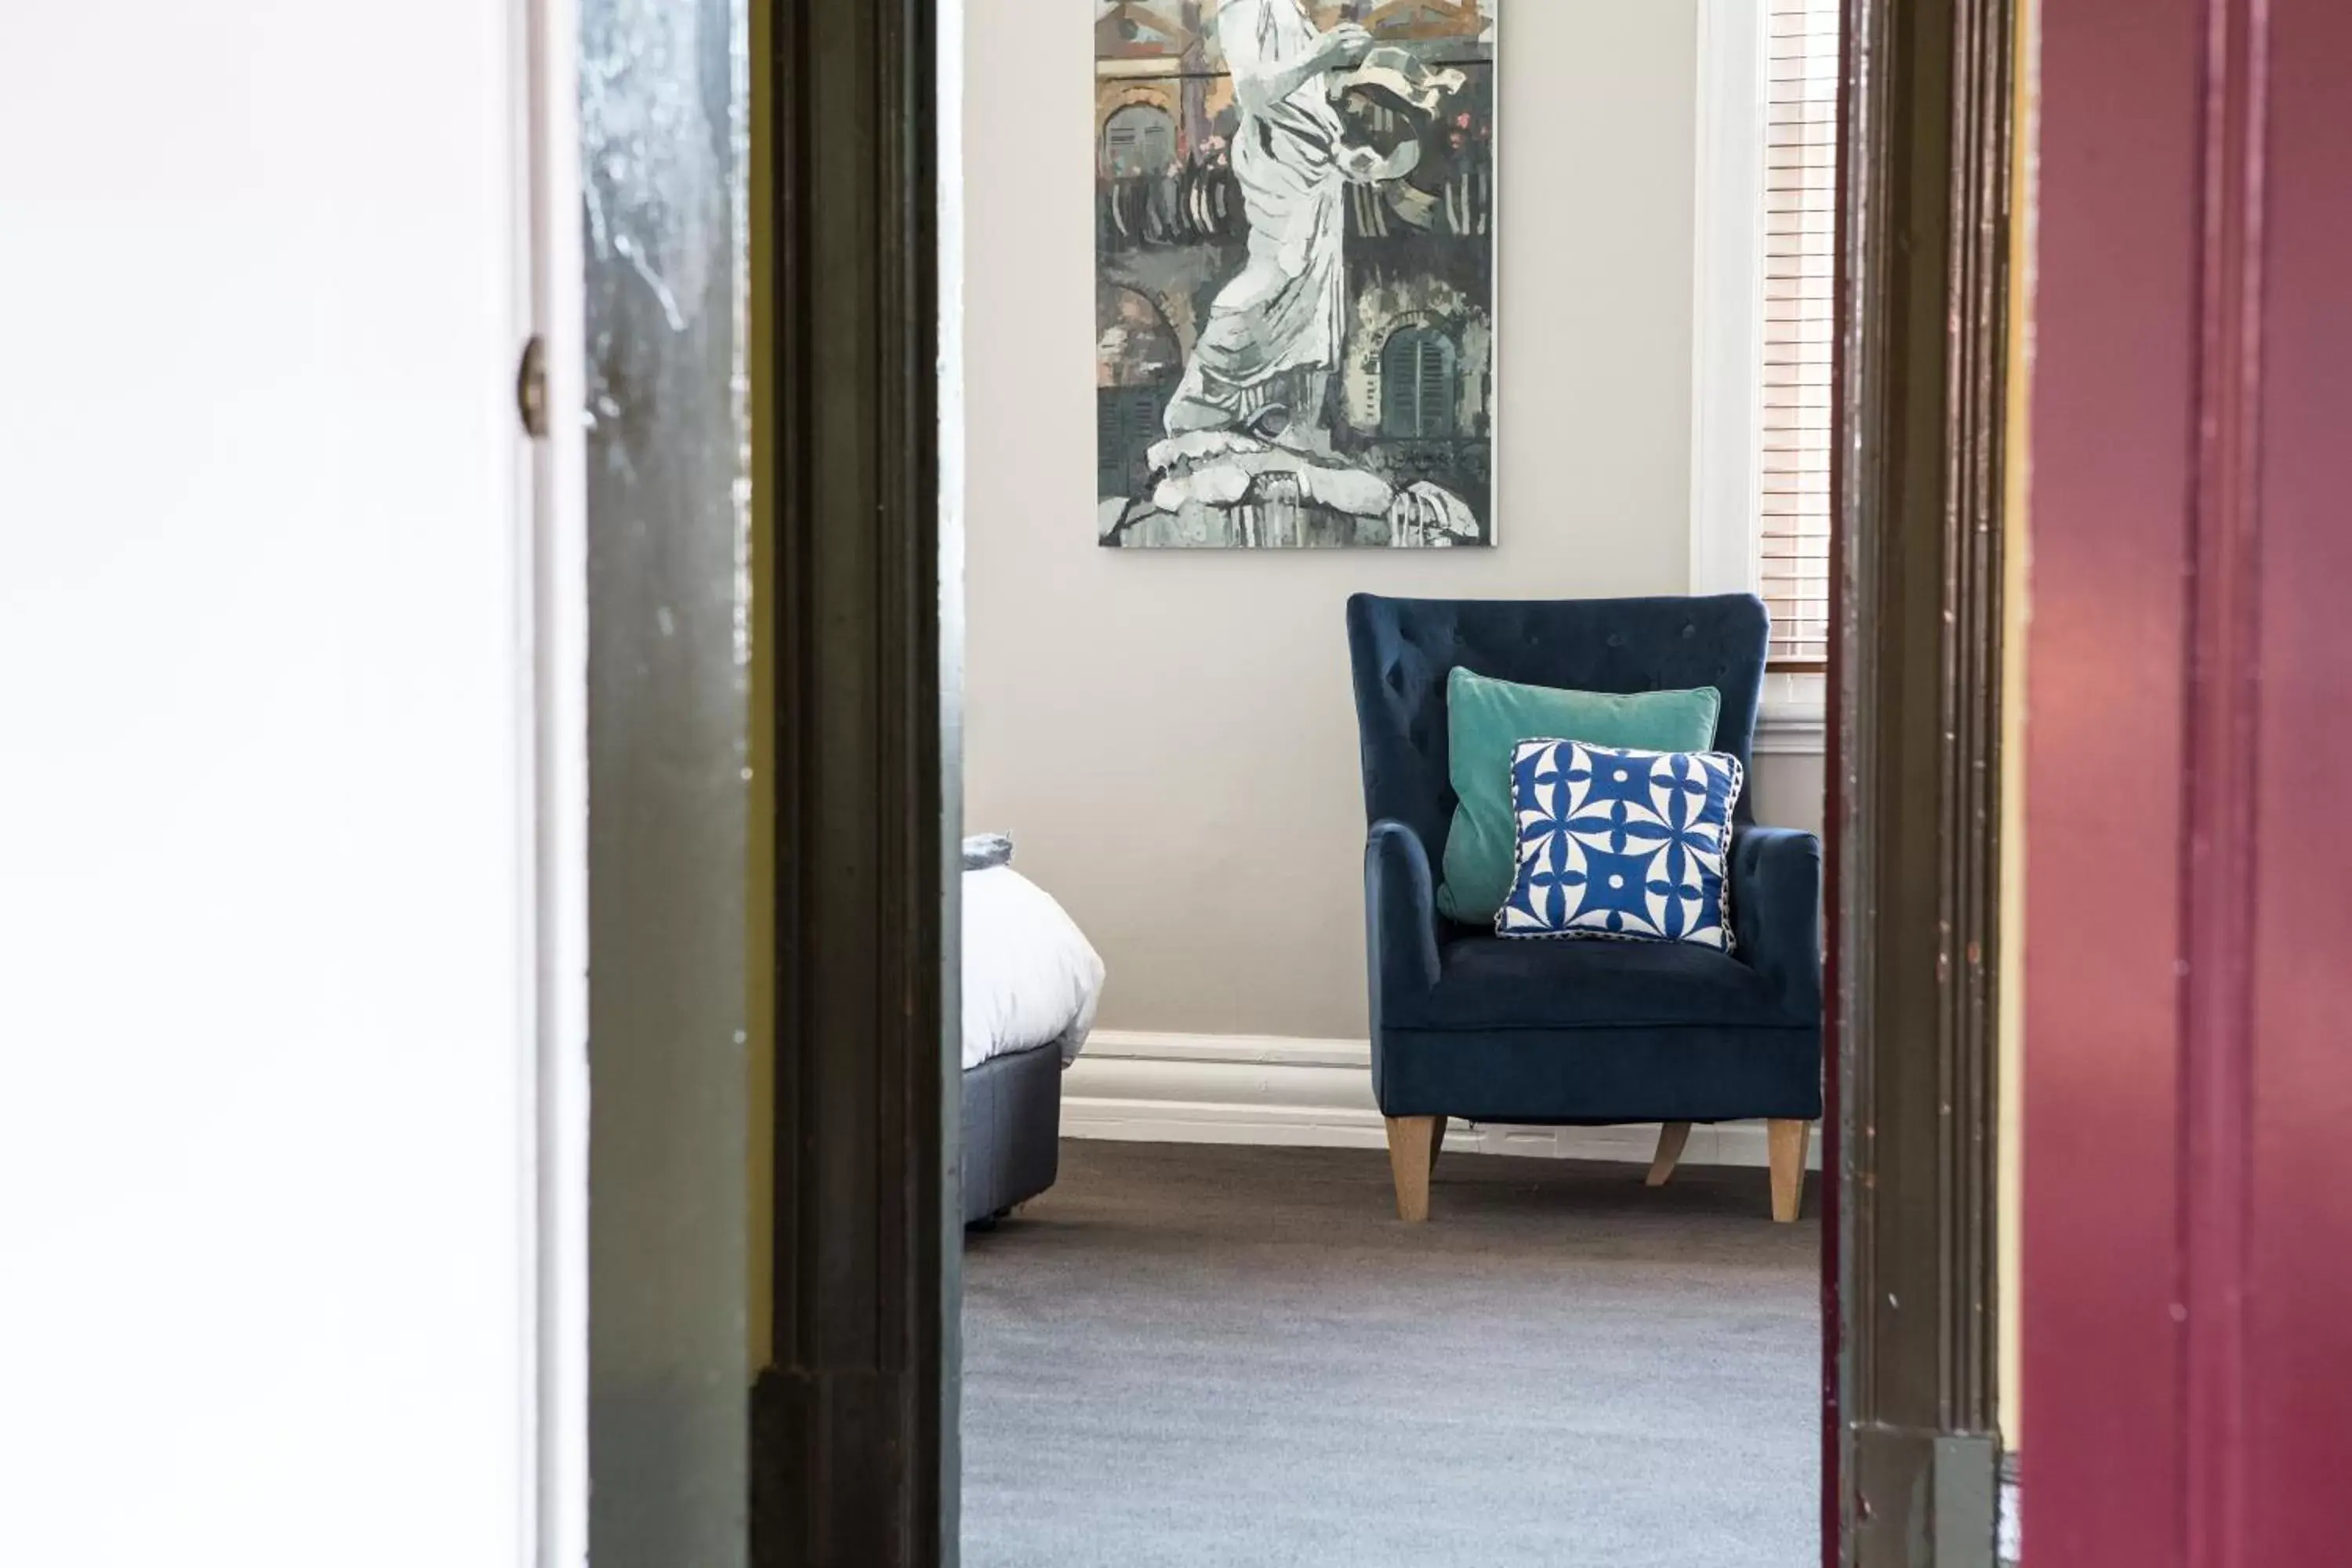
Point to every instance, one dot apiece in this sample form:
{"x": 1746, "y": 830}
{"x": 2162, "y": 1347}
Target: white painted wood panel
{"x": 269, "y": 893}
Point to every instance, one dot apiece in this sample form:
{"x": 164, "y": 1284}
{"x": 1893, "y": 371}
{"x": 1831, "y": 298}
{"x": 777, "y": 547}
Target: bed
{"x": 1031, "y": 984}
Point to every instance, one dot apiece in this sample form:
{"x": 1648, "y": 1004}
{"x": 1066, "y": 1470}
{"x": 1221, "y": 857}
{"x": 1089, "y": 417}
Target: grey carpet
{"x": 1188, "y": 1355}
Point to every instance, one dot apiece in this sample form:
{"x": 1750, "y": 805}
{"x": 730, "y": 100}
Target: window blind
{"x": 1800, "y": 273}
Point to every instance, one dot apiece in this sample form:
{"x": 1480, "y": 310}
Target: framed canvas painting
{"x": 1295, "y": 272}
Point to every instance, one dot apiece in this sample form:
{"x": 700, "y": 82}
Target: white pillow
{"x": 1030, "y": 976}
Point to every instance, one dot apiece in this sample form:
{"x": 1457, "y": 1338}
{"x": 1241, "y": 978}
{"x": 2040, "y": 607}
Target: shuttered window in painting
{"x": 1800, "y": 244}
{"x": 1126, "y": 425}
{"x": 1419, "y": 385}
{"x": 1110, "y": 442}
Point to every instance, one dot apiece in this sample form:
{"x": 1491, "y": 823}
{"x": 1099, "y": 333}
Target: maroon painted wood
{"x": 2187, "y": 1328}
{"x": 2298, "y": 1414}
{"x": 2114, "y": 413}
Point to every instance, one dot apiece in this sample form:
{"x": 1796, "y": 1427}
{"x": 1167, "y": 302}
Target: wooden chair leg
{"x": 1412, "y": 1152}
{"x": 1672, "y": 1136}
{"x": 1789, "y": 1139}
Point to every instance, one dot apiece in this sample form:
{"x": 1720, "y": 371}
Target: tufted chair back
{"x": 1403, "y": 648}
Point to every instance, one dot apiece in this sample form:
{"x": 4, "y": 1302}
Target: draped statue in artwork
{"x": 1247, "y": 454}
{"x": 1273, "y": 336}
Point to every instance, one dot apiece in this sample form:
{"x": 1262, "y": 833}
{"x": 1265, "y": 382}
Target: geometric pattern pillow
{"x": 1631, "y": 844}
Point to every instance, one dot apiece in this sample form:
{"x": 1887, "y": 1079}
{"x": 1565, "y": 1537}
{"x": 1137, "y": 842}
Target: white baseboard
{"x": 1244, "y": 1088}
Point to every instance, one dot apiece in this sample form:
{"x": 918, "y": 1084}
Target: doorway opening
{"x": 874, "y": 287}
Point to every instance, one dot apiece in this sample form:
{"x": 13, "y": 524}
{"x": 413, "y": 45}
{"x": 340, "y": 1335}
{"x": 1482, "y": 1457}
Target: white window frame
{"x": 1727, "y": 343}
{"x": 1726, "y": 402}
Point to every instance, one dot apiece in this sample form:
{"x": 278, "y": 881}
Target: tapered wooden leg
{"x": 1412, "y": 1152}
{"x": 1672, "y": 1136}
{"x": 1789, "y": 1139}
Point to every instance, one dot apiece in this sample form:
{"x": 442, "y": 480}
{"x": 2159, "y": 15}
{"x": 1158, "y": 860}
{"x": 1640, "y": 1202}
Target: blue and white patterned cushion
{"x": 1621, "y": 843}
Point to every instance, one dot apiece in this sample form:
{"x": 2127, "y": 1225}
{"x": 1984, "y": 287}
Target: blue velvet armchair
{"x": 1572, "y": 1032}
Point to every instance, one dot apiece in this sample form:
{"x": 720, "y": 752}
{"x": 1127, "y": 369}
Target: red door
{"x": 2188, "y": 1328}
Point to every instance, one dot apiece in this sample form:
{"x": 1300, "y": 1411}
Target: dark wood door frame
{"x": 854, "y": 1425}
{"x": 1912, "y": 1442}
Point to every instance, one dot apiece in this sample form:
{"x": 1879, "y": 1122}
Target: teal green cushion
{"x": 1486, "y": 721}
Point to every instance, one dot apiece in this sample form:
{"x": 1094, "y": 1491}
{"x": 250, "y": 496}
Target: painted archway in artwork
{"x": 1137, "y": 139}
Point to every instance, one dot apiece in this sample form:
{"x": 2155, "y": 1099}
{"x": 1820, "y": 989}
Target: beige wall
{"x": 1170, "y": 736}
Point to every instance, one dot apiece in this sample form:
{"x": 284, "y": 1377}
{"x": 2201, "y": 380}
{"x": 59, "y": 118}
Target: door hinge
{"x": 531, "y": 388}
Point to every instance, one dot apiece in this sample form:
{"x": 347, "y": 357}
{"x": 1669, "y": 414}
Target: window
{"x": 1127, "y": 427}
{"x": 1419, "y": 385}
{"x": 1799, "y": 239}
{"x": 1138, "y": 350}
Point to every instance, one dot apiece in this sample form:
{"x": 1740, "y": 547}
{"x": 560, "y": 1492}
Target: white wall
{"x": 1171, "y": 736}
{"x": 265, "y": 884}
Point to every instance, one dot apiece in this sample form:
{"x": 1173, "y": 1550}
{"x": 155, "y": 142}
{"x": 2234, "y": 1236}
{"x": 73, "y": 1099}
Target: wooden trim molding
{"x": 1791, "y": 732}
{"x": 2116, "y": 416}
{"x": 667, "y": 834}
{"x": 853, "y": 1443}
{"x": 2220, "y": 911}
{"x": 1137, "y": 1086}
{"x": 1913, "y": 806}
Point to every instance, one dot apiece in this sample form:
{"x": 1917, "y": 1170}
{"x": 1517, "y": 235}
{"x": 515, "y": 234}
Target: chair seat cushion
{"x": 1492, "y": 983}
{"x": 1599, "y": 1075}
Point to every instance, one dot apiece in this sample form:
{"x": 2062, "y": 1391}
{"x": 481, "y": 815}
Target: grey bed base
{"x": 1012, "y": 1130}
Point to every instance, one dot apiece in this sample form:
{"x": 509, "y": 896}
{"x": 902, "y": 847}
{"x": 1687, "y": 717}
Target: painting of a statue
{"x": 1295, "y": 228}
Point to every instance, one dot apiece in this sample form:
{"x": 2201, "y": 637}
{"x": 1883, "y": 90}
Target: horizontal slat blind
{"x": 1799, "y": 239}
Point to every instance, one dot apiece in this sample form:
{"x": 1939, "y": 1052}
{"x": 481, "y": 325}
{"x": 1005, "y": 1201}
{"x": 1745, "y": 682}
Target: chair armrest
{"x": 1776, "y": 912}
{"x": 1400, "y": 912}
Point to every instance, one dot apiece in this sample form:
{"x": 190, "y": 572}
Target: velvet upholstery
{"x": 1557, "y": 1030}
{"x": 1012, "y": 1147}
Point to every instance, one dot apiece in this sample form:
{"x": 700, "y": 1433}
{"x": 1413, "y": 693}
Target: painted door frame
{"x": 2187, "y": 1222}
{"x": 854, "y": 1419}
{"x": 664, "y": 109}
{"x": 1911, "y": 1434}
{"x": 548, "y": 34}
